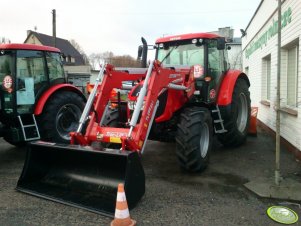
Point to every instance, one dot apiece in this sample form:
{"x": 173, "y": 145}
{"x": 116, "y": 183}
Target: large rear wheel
{"x": 237, "y": 121}
{"x": 194, "y": 139}
{"x": 61, "y": 116}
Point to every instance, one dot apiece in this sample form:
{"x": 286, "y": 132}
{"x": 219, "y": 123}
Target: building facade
{"x": 259, "y": 45}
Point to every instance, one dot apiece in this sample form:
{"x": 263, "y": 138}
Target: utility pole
{"x": 277, "y": 169}
{"x": 54, "y": 27}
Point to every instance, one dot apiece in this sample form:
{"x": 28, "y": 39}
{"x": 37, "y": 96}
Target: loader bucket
{"x": 82, "y": 176}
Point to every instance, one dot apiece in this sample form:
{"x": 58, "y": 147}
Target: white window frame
{"x": 293, "y": 83}
{"x": 266, "y": 78}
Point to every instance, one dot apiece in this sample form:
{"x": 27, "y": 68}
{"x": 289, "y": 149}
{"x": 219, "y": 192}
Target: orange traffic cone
{"x": 122, "y": 215}
{"x": 253, "y": 121}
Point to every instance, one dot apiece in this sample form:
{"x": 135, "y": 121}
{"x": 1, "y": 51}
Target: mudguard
{"x": 43, "y": 99}
{"x": 226, "y": 89}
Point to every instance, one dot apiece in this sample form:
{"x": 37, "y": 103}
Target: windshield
{"x": 188, "y": 54}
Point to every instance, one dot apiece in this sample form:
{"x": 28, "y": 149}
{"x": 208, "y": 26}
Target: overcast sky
{"x": 117, "y": 25}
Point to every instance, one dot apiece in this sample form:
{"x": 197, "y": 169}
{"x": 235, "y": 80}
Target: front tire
{"x": 194, "y": 139}
{"x": 237, "y": 121}
{"x": 61, "y": 116}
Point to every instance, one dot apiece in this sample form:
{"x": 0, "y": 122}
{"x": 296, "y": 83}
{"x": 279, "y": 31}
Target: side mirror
{"x": 221, "y": 43}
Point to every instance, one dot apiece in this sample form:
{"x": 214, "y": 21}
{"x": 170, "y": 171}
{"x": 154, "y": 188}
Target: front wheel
{"x": 61, "y": 116}
{"x": 194, "y": 139}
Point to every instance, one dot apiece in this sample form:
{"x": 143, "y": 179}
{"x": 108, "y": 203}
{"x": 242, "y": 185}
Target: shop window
{"x": 266, "y": 78}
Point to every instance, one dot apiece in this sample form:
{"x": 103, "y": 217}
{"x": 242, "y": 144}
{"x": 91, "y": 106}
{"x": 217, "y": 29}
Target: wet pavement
{"x": 214, "y": 197}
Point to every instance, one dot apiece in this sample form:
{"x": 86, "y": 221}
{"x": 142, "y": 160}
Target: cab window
{"x": 55, "y": 66}
{"x": 215, "y": 64}
{"x": 30, "y": 73}
{"x": 185, "y": 54}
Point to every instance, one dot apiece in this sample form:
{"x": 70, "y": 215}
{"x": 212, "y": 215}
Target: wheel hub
{"x": 242, "y": 116}
{"x": 204, "y": 141}
{"x": 67, "y": 120}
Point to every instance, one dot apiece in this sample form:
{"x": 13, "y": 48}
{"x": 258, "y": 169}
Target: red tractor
{"x": 36, "y": 102}
{"x": 186, "y": 95}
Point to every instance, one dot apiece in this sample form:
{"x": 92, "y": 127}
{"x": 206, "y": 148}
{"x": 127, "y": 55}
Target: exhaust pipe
{"x": 142, "y": 53}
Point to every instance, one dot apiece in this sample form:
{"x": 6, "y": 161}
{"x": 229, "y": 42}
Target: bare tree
{"x": 95, "y": 60}
{"x": 118, "y": 61}
{"x": 80, "y": 50}
{"x": 4, "y": 40}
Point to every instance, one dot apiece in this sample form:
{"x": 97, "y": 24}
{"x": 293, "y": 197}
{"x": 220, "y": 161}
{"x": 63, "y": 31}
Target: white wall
{"x": 265, "y": 17}
{"x": 33, "y": 40}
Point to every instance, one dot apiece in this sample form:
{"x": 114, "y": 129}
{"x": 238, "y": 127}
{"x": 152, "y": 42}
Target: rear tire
{"x": 194, "y": 139}
{"x": 61, "y": 116}
{"x": 238, "y": 120}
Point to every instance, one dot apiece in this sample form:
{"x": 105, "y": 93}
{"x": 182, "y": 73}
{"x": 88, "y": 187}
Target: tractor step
{"x": 30, "y": 130}
{"x": 218, "y": 121}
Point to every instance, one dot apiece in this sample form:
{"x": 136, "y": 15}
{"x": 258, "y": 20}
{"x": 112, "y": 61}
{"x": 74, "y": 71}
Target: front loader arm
{"x": 160, "y": 79}
{"x": 133, "y": 138}
{"x": 111, "y": 79}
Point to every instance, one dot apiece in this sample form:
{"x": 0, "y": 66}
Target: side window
{"x": 6, "y": 65}
{"x": 30, "y": 72}
{"x": 55, "y": 66}
{"x": 215, "y": 65}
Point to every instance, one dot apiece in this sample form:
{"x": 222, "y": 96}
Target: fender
{"x": 227, "y": 87}
{"x": 45, "y": 96}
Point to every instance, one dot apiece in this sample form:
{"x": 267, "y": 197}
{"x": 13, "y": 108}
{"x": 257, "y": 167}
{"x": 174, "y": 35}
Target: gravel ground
{"x": 215, "y": 197}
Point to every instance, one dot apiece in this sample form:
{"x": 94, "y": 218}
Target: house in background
{"x": 77, "y": 71}
{"x": 260, "y": 64}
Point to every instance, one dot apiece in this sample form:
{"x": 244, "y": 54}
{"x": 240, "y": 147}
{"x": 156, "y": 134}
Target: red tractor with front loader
{"x": 36, "y": 102}
{"x": 187, "y": 95}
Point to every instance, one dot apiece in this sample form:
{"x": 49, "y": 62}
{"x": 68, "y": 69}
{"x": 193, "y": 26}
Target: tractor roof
{"x": 186, "y": 36}
{"x": 29, "y": 47}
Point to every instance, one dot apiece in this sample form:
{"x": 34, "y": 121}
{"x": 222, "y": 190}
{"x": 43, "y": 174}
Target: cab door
{"x": 216, "y": 69}
{"x": 31, "y": 78}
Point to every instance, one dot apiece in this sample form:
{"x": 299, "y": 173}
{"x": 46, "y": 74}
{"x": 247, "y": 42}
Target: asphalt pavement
{"x": 214, "y": 197}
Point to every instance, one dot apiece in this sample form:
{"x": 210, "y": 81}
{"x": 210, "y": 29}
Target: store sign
{"x": 263, "y": 39}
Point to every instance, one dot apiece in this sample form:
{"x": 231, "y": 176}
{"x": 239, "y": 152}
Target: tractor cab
{"x": 203, "y": 54}
{"x": 24, "y": 77}
{"x": 27, "y": 73}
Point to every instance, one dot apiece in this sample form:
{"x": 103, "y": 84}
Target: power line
{"x": 179, "y": 13}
